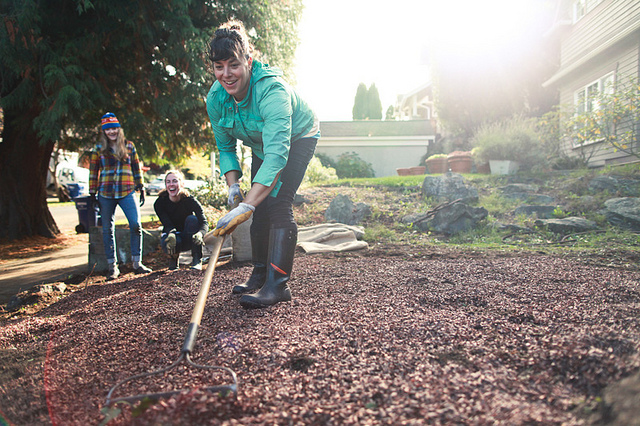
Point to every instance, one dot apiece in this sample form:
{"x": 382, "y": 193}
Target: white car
{"x": 155, "y": 186}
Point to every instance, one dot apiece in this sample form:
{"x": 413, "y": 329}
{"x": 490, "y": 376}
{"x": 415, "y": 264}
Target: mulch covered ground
{"x": 377, "y": 337}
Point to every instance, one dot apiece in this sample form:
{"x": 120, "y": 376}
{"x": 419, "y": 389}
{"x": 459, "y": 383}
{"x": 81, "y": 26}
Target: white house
{"x": 386, "y": 145}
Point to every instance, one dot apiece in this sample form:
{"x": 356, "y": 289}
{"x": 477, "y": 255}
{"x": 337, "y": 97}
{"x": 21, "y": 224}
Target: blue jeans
{"x": 129, "y": 206}
{"x": 183, "y": 238}
{"x": 277, "y": 212}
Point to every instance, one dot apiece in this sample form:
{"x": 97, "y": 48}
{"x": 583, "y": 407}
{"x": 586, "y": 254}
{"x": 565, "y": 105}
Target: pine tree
{"x": 64, "y": 63}
{"x": 374, "y": 106}
{"x": 359, "y": 111}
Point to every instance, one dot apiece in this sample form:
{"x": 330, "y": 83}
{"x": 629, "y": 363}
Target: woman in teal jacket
{"x": 251, "y": 102}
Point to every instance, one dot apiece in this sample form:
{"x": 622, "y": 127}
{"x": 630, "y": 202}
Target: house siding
{"x": 606, "y": 22}
{"x": 606, "y": 40}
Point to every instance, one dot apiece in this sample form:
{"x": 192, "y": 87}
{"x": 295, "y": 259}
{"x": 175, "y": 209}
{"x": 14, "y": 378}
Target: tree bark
{"x": 24, "y": 162}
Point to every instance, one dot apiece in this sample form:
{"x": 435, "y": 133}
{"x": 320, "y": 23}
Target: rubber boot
{"x": 173, "y": 262}
{"x": 196, "y": 254}
{"x": 282, "y": 248}
{"x": 259, "y": 253}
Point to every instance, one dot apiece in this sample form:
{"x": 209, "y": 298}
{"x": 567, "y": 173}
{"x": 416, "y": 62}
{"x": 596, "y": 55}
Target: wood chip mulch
{"x": 367, "y": 339}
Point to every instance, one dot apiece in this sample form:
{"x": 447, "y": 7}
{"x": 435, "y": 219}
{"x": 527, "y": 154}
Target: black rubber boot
{"x": 259, "y": 253}
{"x": 282, "y": 248}
{"x": 196, "y": 255}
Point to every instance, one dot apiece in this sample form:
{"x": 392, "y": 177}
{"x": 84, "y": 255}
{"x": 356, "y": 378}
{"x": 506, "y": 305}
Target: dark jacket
{"x": 172, "y": 215}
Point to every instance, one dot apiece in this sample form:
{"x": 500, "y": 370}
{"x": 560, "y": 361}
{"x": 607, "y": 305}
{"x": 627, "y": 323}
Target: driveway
{"x": 22, "y": 274}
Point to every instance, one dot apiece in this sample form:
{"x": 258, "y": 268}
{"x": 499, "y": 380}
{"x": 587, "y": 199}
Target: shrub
{"x": 349, "y": 165}
{"x": 514, "y": 139}
{"x": 316, "y": 172}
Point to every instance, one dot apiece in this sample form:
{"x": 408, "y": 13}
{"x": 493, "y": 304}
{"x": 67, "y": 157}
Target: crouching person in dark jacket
{"x": 183, "y": 221}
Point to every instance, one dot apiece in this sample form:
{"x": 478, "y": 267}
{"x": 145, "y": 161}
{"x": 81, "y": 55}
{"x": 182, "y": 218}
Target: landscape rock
{"x": 449, "y": 187}
{"x": 449, "y": 219}
{"x": 300, "y": 199}
{"x": 515, "y": 229}
{"x": 530, "y": 197}
{"x": 514, "y": 188}
{"x": 614, "y": 185}
{"x": 568, "y": 225}
{"x": 541, "y": 212}
{"x": 623, "y": 212}
{"x": 342, "y": 210}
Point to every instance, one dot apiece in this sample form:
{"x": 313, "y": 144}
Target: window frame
{"x": 585, "y": 99}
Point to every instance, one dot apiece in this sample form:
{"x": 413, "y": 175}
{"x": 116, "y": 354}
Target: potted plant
{"x": 460, "y": 161}
{"x": 403, "y": 171}
{"x": 509, "y": 145}
{"x": 437, "y": 163}
{"x": 481, "y": 165}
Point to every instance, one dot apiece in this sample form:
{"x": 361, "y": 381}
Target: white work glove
{"x": 196, "y": 239}
{"x": 171, "y": 242}
{"x": 235, "y": 217}
{"x": 235, "y": 195}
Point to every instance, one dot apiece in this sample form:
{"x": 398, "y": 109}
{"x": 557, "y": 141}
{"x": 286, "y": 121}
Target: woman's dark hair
{"x": 230, "y": 40}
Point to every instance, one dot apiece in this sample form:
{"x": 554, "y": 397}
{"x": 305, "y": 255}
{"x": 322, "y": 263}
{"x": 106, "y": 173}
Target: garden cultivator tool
{"x": 189, "y": 343}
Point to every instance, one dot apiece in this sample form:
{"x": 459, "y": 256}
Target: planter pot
{"x": 437, "y": 165}
{"x": 406, "y": 171}
{"x": 460, "y": 163}
{"x": 418, "y": 170}
{"x": 483, "y": 168}
{"x": 503, "y": 167}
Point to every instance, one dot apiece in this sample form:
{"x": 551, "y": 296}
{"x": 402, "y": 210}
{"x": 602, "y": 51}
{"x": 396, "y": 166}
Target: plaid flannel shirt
{"x": 111, "y": 177}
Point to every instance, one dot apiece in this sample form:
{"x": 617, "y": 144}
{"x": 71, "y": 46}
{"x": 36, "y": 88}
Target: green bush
{"x": 350, "y": 165}
{"x": 316, "y": 172}
{"x": 216, "y": 194}
{"x": 514, "y": 139}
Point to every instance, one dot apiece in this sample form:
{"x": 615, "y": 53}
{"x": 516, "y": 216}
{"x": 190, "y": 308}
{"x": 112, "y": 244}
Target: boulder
{"x": 623, "y": 212}
{"x": 541, "y": 212}
{"x": 615, "y": 185}
{"x": 449, "y": 187}
{"x": 568, "y": 225}
{"x": 342, "y": 210}
{"x": 450, "y": 219}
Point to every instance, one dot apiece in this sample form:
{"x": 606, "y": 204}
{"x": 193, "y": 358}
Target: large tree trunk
{"x": 23, "y": 171}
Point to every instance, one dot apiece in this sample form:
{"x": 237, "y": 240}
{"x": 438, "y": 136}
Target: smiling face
{"x": 112, "y": 134}
{"x": 234, "y": 75}
{"x": 174, "y": 184}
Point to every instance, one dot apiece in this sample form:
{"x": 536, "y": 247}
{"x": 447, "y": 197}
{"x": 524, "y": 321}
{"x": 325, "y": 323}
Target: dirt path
{"x": 378, "y": 337}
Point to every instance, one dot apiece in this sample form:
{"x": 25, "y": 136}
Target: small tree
{"x": 374, "y": 106}
{"x": 359, "y": 111}
{"x": 615, "y": 119}
{"x": 367, "y": 105}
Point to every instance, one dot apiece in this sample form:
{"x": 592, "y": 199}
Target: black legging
{"x": 277, "y": 212}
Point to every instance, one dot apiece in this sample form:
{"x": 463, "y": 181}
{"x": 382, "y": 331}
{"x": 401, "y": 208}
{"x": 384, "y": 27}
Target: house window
{"x": 583, "y": 7}
{"x": 586, "y": 98}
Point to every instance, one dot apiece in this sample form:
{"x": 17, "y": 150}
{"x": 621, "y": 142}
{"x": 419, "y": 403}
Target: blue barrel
{"x": 88, "y": 214}
{"x": 74, "y": 190}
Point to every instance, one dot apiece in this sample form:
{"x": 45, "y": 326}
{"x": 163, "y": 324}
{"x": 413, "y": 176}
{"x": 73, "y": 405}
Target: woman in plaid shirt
{"x": 114, "y": 176}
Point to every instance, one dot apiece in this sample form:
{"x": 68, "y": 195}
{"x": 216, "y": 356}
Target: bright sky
{"x": 346, "y": 42}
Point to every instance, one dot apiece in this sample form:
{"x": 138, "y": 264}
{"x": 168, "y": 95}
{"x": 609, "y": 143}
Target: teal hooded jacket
{"x": 268, "y": 120}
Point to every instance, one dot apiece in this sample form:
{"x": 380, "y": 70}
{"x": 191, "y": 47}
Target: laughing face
{"x": 173, "y": 184}
{"x": 234, "y": 75}
{"x": 112, "y": 133}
